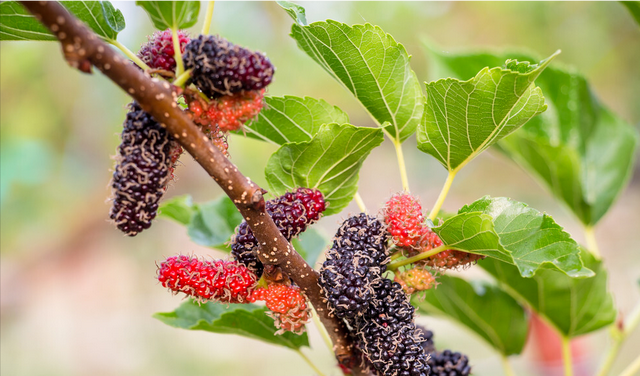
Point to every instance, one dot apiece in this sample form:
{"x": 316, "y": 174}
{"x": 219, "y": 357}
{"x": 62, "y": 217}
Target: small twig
{"x": 592, "y": 244}
{"x": 360, "y": 202}
{"x": 421, "y": 256}
{"x": 207, "y": 18}
{"x": 566, "y": 356}
{"x": 443, "y": 194}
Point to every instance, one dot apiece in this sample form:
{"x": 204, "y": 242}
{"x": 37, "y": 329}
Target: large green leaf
{"x": 573, "y": 306}
{"x": 171, "y": 14}
{"x": 579, "y": 149}
{"x": 369, "y": 63}
{"x": 329, "y": 162}
{"x": 511, "y": 232}
{"x": 16, "y": 23}
{"x": 212, "y": 223}
{"x": 293, "y": 119}
{"x": 634, "y": 8}
{"x": 485, "y": 309}
{"x": 246, "y": 320}
{"x": 464, "y": 118}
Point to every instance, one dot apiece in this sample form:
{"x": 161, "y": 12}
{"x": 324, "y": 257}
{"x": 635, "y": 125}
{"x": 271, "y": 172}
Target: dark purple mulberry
{"x": 387, "y": 335}
{"x": 291, "y": 212}
{"x": 354, "y": 262}
{"x": 223, "y": 68}
{"x": 144, "y": 168}
{"x": 449, "y": 363}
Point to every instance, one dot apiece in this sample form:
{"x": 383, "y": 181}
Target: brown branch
{"x": 82, "y": 49}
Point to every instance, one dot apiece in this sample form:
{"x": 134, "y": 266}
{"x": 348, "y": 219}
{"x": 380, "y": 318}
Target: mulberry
{"x": 416, "y": 279}
{"x": 291, "y": 212}
{"x": 448, "y": 259}
{"x": 287, "y": 305}
{"x": 406, "y": 224}
{"x": 355, "y": 261}
{"x": 222, "y": 68}
{"x": 144, "y": 167}
{"x": 219, "y": 280}
{"x": 387, "y": 335}
{"x": 448, "y": 363}
{"x": 158, "y": 52}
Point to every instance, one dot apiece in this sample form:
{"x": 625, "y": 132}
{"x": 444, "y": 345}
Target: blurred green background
{"x": 77, "y": 297}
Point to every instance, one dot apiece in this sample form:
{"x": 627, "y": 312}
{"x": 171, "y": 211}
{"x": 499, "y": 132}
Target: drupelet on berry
{"x": 158, "y": 51}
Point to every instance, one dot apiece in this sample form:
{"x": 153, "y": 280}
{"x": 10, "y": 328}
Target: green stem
{"x": 443, "y": 195}
{"x": 177, "y": 54}
{"x": 592, "y": 244}
{"x": 361, "y": 205}
{"x": 323, "y": 331}
{"x": 632, "y": 369}
{"x": 400, "y": 156}
{"x": 129, "y": 54}
{"x": 566, "y": 356}
{"x": 182, "y": 79}
{"x": 309, "y": 362}
{"x": 421, "y": 256}
{"x": 508, "y": 371}
{"x": 619, "y": 336}
{"x": 207, "y": 18}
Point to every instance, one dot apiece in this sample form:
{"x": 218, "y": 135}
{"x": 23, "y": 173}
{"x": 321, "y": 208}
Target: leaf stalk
{"x": 619, "y": 336}
{"x": 592, "y": 244}
{"x": 443, "y": 195}
{"x": 182, "y": 79}
{"x": 508, "y": 371}
{"x": 566, "y": 356}
{"x": 309, "y": 362}
{"x": 207, "y": 18}
{"x": 177, "y": 54}
{"x": 129, "y": 54}
{"x": 416, "y": 258}
{"x": 361, "y": 205}
{"x": 397, "y": 144}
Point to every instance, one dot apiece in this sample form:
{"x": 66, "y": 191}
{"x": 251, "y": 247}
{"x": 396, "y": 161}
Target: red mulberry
{"x": 287, "y": 305}
{"x": 406, "y": 224}
{"x": 158, "y": 52}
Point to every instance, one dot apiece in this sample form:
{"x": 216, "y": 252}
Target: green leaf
{"x": 513, "y": 233}
{"x": 213, "y": 223}
{"x": 295, "y": 11}
{"x": 485, "y": 309}
{"x": 573, "y": 306}
{"x": 579, "y": 149}
{"x": 370, "y": 64}
{"x": 310, "y": 244}
{"x": 171, "y": 14}
{"x": 329, "y": 162}
{"x": 179, "y": 208}
{"x": 293, "y": 119}
{"x": 242, "y": 319}
{"x": 634, "y": 8}
{"x": 464, "y": 118}
{"x": 16, "y": 23}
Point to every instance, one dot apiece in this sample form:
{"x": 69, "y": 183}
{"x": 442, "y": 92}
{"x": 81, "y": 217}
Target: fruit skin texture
{"x": 387, "y": 335}
{"x": 354, "y": 263}
{"x": 291, "y": 212}
{"x": 144, "y": 167}
{"x": 158, "y": 51}
{"x": 448, "y": 363}
{"x": 406, "y": 224}
{"x": 218, "y": 280}
{"x": 416, "y": 279}
{"x": 288, "y": 306}
{"x": 222, "y": 68}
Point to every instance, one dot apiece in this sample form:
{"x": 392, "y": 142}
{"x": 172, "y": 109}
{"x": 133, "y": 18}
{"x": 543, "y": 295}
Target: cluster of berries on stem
{"x": 287, "y": 304}
{"x": 158, "y": 51}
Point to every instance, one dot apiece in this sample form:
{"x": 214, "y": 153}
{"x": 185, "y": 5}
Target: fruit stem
{"x": 400, "y": 156}
{"x": 632, "y": 369}
{"x": 322, "y": 330}
{"x": 129, "y": 54}
{"x": 619, "y": 335}
{"x": 177, "y": 54}
{"x": 361, "y": 205}
{"x": 207, "y": 18}
{"x": 421, "y": 256}
{"x": 566, "y": 356}
{"x": 182, "y": 79}
{"x": 508, "y": 371}
{"x": 592, "y": 244}
{"x": 309, "y": 362}
{"x": 443, "y": 195}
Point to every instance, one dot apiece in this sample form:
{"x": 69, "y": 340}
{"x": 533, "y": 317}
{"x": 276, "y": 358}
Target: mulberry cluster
{"x": 158, "y": 52}
{"x": 387, "y": 335}
{"x": 222, "y": 68}
{"x": 406, "y": 224}
{"x": 291, "y": 212}
{"x": 144, "y": 167}
{"x": 354, "y": 263}
{"x": 287, "y": 305}
{"x": 219, "y": 280}
{"x": 230, "y": 112}
{"x": 416, "y": 279}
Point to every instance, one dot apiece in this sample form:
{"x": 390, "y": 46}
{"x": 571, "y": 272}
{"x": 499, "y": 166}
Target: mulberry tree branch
{"x": 83, "y": 49}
